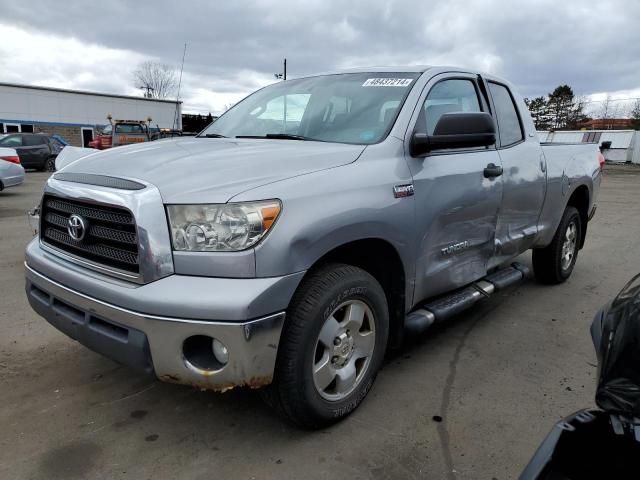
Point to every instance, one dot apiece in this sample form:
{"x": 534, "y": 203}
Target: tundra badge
{"x": 456, "y": 247}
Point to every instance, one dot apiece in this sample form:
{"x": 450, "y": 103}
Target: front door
{"x": 524, "y": 178}
{"x": 456, "y": 206}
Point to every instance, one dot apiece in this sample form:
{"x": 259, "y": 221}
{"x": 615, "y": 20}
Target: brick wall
{"x": 72, "y": 135}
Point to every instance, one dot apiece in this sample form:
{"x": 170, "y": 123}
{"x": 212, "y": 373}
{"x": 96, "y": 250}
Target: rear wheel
{"x": 50, "y": 164}
{"x": 554, "y": 263}
{"x": 332, "y": 346}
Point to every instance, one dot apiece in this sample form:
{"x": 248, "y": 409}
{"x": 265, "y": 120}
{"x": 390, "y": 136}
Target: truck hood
{"x": 213, "y": 170}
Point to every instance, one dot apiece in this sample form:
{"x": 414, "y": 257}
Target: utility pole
{"x": 283, "y": 75}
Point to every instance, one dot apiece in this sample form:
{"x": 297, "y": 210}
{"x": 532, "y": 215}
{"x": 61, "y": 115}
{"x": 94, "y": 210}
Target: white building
{"x": 621, "y": 145}
{"x": 75, "y": 115}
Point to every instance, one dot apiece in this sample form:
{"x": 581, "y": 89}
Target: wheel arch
{"x": 579, "y": 199}
{"x": 381, "y": 260}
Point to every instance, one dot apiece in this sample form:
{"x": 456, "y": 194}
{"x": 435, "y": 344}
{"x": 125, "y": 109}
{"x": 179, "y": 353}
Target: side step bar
{"x": 446, "y": 307}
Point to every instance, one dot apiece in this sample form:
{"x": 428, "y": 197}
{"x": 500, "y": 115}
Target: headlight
{"x": 224, "y": 227}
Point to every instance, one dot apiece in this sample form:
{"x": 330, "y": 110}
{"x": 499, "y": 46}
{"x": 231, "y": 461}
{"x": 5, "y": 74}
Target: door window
{"x": 34, "y": 140}
{"x": 447, "y": 96}
{"x": 508, "y": 120}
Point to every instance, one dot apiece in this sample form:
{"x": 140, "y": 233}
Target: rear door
{"x": 456, "y": 206}
{"x": 35, "y": 150}
{"x": 524, "y": 177}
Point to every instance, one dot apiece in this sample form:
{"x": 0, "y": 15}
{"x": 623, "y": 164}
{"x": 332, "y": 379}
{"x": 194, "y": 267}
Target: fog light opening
{"x": 205, "y": 353}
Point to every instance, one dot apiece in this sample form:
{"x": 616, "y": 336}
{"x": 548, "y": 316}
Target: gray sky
{"x": 235, "y": 47}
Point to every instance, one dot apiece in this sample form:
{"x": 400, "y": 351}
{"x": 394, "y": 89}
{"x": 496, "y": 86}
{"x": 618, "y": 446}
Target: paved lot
{"x": 499, "y": 375}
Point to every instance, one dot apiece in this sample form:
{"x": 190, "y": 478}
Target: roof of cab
{"x": 436, "y": 69}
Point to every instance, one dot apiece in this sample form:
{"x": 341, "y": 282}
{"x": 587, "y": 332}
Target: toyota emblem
{"x": 76, "y": 227}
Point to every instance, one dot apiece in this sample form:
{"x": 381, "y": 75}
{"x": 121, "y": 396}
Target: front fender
{"x": 324, "y": 210}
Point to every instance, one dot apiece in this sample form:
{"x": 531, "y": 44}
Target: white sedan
{"x": 11, "y": 171}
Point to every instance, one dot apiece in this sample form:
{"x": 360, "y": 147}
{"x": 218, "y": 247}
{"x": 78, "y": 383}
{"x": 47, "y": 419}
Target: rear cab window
{"x": 509, "y": 125}
{"x": 129, "y": 128}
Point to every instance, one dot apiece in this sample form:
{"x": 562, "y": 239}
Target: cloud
{"x": 235, "y": 47}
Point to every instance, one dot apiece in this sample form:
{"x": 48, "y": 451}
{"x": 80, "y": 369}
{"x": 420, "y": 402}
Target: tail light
{"x": 601, "y": 160}
{"x": 12, "y": 159}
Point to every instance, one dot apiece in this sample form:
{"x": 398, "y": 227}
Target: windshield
{"x": 357, "y": 108}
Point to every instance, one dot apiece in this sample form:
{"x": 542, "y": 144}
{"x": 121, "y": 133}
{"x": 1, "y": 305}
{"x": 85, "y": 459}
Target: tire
{"x": 50, "y": 164}
{"x": 552, "y": 264}
{"x": 319, "y": 309}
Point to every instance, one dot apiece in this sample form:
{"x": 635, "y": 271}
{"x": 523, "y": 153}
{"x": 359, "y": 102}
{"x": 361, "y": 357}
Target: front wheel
{"x": 332, "y": 346}
{"x": 554, "y": 263}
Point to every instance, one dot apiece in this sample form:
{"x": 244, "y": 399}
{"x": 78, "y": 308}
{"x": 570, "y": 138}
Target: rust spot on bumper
{"x": 207, "y": 384}
{"x": 259, "y": 382}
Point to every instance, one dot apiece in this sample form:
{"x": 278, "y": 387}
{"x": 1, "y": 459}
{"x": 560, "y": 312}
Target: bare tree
{"x": 606, "y": 107}
{"x": 158, "y": 80}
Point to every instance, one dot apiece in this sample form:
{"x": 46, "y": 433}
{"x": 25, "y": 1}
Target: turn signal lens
{"x": 269, "y": 215}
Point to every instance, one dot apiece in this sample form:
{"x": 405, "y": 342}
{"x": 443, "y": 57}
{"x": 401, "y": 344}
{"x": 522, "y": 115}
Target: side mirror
{"x": 456, "y": 130}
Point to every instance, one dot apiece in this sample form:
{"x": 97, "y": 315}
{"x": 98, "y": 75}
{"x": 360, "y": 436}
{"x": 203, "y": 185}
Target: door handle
{"x": 492, "y": 170}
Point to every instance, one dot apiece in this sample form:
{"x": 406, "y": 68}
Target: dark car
{"x": 35, "y": 150}
{"x": 604, "y": 442}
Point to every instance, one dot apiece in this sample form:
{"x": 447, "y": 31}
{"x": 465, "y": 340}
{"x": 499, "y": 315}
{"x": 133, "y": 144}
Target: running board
{"x": 446, "y": 307}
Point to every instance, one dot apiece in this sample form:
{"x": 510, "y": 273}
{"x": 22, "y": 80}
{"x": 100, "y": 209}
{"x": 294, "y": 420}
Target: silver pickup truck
{"x": 306, "y": 231}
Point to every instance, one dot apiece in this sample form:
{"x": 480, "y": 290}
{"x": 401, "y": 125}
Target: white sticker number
{"x": 387, "y": 82}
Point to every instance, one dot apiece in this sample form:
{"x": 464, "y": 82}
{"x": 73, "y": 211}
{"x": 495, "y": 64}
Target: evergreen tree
{"x": 538, "y": 108}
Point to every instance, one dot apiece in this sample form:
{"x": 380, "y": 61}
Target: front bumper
{"x": 155, "y": 344}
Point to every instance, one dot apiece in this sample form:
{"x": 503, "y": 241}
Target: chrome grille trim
{"x": 144, "y": 208}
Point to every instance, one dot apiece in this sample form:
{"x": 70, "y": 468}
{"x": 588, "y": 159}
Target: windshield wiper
{"x": 214, "y": 135}
{"x": 277, "y": 136}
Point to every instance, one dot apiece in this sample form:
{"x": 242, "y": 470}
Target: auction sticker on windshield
{"x": 387, "y": 82}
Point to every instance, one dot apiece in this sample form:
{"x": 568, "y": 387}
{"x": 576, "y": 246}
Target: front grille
{"x": 110, "y": 237}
